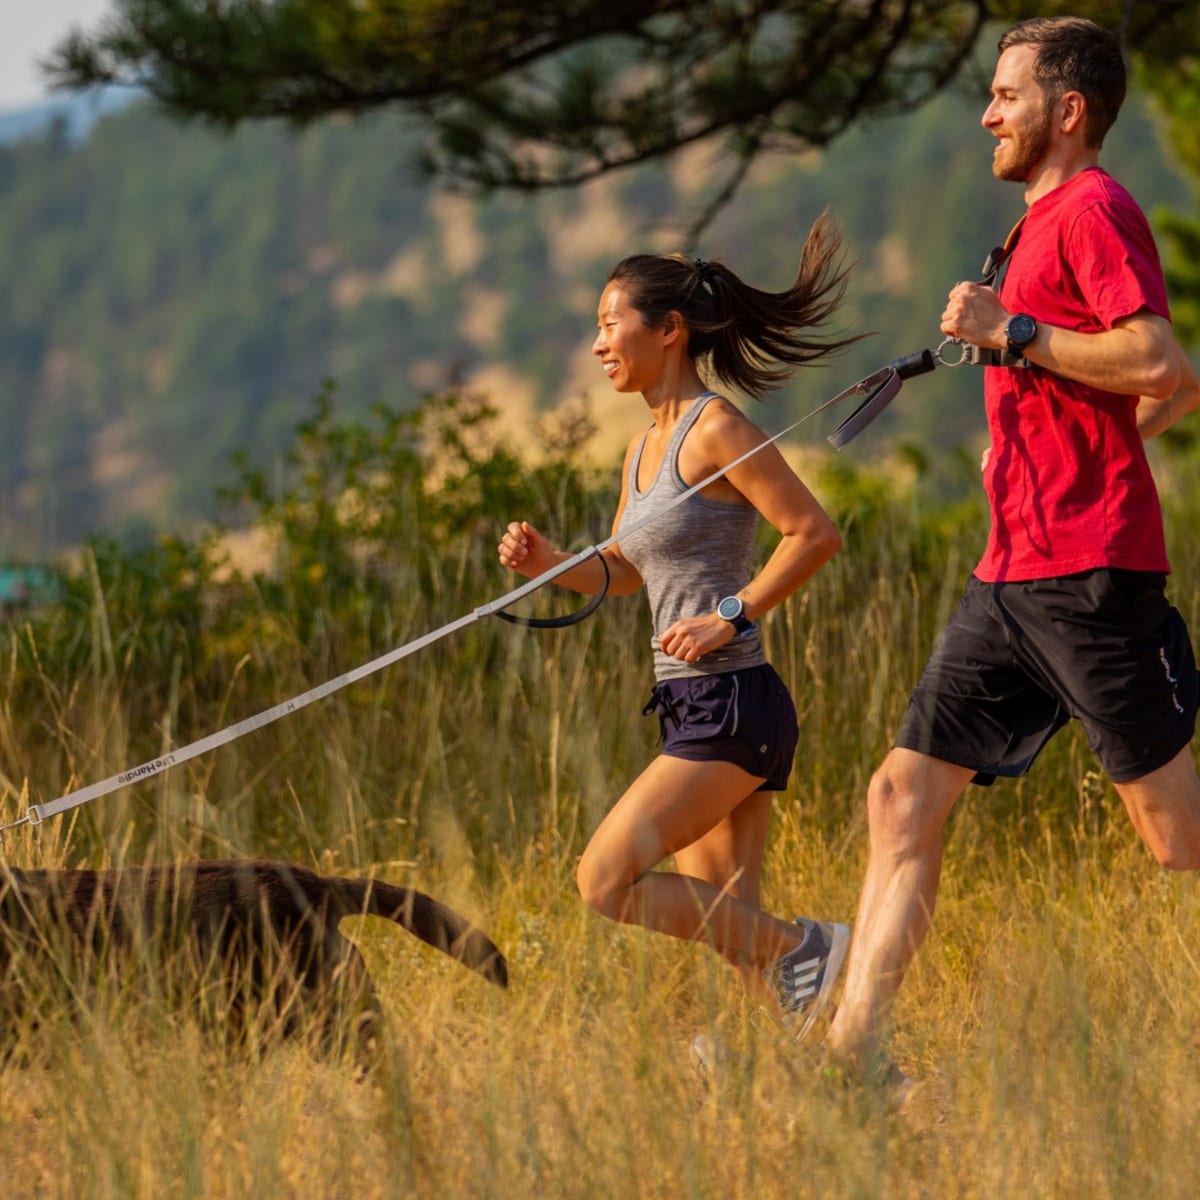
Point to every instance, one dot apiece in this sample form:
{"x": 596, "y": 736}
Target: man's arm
{"x": 1156, "y": 414}
{"x": 1138, "y": 356}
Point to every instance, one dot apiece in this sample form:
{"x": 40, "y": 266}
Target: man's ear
{"x": 1072, "y": 111}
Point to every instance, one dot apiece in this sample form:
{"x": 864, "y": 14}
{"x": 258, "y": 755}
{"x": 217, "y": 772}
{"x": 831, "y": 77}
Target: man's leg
{"x": 1164, "y": 807}
{"x": 908, "y": 801}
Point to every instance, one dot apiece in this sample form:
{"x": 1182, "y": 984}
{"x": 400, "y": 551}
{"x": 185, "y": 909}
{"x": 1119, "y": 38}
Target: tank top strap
{"x": 682, "y": 429}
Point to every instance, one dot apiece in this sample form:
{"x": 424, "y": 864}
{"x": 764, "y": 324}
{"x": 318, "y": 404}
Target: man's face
{"x": 1019, "y": 116}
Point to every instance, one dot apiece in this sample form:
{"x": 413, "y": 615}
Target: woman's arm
{"x": 525, "y": 550}
{"x": 808, "y": 538}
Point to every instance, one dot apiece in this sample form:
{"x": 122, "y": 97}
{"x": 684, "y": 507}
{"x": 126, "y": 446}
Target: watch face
{"x": 730, "y": 608}
{"x": 1021, "y": 330}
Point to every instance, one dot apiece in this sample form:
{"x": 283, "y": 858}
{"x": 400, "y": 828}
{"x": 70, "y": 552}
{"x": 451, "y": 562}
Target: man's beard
{"x": 1026, "y": 152}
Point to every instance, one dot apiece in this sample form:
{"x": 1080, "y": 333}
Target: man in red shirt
{"x": 1065, "y": 615}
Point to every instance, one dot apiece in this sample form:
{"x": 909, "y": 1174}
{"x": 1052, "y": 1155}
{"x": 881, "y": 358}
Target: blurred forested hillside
{"x": 171, "y": 295}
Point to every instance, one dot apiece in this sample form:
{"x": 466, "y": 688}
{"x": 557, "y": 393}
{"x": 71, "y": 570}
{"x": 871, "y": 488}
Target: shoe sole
{"x": 901, "y": 1093}
{"x": 838, "y": 937}
{"x": 707, "y": 1059}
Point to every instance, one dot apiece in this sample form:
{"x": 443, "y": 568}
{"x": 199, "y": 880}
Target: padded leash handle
{"x": 880, "y": 389}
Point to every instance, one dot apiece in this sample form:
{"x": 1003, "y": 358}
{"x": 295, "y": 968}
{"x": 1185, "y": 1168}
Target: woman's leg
{"x": 730, "y": 857}
{"x": 691, "y": 810}
{"x": 730, "y": 854}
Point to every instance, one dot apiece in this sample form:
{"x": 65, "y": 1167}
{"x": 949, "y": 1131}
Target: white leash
{"x": 35, "y": 814}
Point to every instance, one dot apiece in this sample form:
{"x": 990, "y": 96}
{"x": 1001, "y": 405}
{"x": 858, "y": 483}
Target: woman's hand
{"x": 691, "y": 638}
{"x": 524, "y": 550}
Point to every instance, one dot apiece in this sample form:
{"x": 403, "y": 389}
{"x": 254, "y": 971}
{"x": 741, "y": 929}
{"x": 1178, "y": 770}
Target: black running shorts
{"x": 744, "y": 717}
{"x": 1018, "y": 660}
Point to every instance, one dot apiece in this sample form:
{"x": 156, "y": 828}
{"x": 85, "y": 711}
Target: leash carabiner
{"x": 978, "y": 356}
{"x": 964, "y": 355}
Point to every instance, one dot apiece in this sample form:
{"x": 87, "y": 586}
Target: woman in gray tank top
{"x": 728, "y": 724}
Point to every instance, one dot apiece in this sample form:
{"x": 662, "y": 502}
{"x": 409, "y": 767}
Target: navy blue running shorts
{"x": 1020, "y": 659}
{"x": 744, "y": 717}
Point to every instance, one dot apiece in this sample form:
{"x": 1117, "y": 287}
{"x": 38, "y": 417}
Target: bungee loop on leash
{"x": 878, "y": 389}
{"x": 562, "y": 622}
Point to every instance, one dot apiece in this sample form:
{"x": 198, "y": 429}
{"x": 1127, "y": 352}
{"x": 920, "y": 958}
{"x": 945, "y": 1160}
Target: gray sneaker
{"x": 803, "y": 978}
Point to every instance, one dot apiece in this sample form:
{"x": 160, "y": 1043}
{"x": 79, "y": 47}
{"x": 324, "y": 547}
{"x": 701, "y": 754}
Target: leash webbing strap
{"x": 35, "y": 814}
{"x": 1000, "y": 255}
{"x": 978, "y": 356}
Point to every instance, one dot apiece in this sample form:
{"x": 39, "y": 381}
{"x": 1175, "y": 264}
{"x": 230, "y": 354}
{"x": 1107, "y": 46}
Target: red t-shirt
{"x": 1067, "y": 479}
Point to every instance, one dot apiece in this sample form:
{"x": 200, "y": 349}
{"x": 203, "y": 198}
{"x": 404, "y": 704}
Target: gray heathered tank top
{"x": 691, "y": 556}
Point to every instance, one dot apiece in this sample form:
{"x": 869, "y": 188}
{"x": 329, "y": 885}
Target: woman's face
{"x": 630, "y": 352}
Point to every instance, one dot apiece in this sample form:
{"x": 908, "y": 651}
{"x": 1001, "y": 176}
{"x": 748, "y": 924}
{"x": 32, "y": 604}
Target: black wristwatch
{"x": 732, "y": 609}
{"x": 1020, "y": 331}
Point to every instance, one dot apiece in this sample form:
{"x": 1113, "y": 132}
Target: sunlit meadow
{"x": 1052, "y": 1015}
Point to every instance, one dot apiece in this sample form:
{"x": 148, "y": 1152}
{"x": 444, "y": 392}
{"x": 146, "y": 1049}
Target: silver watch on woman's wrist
{"x": 733, "y": 610}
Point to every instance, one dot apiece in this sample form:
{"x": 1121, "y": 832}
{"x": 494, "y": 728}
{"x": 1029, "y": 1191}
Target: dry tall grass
{"x": 1053, "y": 1017}
{"x": 1053, "y": 1013}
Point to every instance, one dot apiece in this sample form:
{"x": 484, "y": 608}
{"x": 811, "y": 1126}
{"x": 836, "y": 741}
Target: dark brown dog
{"x": 255, "y": 944}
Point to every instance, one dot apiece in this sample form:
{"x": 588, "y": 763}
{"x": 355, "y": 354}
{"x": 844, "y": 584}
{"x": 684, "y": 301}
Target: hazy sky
{"x": 29, "y": 29}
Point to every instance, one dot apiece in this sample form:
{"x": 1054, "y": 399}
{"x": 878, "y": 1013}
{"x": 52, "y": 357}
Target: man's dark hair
{"x": 1076, "y": 55}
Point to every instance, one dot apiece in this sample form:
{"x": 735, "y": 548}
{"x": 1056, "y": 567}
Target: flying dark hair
{"x": 1076, "y": 55}
{"x": 751, "y": 339}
